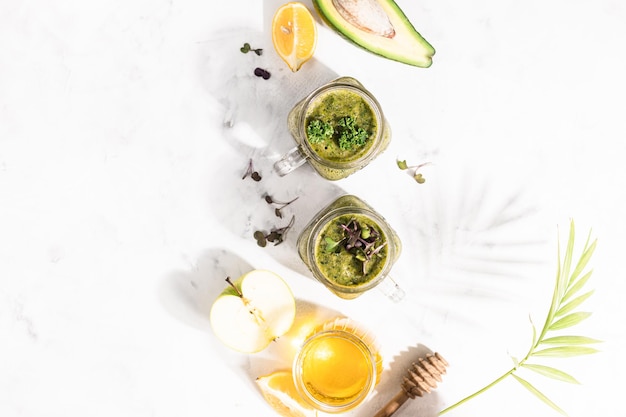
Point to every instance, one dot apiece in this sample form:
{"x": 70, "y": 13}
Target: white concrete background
{"x": 122, "y": 207}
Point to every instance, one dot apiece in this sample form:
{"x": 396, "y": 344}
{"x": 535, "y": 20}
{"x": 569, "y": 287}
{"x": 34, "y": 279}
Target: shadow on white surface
{"x": 390, "y": 385}
{"x": 254, "y": 126}
{"x": 473, "y": 233}
{"x": 255, "y": 110}
{"x": 248, "y": 211}
{"x": 188, "y": 295}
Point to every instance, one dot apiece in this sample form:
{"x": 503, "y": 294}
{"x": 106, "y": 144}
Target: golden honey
{"x": 336, "y": 368}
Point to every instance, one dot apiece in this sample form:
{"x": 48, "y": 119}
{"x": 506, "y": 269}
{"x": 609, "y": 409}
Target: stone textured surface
{"x": 125, "y": 128}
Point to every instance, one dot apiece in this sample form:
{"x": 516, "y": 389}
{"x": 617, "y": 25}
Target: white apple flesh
{"x": 254, "y": 310}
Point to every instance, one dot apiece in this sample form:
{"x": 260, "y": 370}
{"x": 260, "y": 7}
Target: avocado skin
{"x": 408, "y": 46}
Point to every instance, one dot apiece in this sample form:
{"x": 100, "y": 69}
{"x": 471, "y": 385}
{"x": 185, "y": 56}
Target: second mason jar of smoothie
{"x": 350, "y": 248}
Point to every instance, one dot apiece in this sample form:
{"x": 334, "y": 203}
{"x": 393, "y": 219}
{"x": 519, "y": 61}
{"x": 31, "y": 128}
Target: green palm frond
{"x": 563, "y": 314}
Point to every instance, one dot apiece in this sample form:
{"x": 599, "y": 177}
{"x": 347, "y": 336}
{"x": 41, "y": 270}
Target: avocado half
{"x": 378, "y": 26}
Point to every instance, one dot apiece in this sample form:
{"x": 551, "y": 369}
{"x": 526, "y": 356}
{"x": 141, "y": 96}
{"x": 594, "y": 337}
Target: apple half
{"x": 253, "y": 311}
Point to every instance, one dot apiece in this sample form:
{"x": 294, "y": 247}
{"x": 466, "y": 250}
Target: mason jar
{"x": 337, "y": 366}
{"x": 332, "y": 156}
{"x": 350, "y": 248}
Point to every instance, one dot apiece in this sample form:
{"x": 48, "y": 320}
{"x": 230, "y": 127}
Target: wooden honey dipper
{"x": 420, "y": 378}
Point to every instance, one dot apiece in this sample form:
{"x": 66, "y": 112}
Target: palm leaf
{"x": 515, "y": 360}
{"x": 561, "y": 315}
{"x": 538, "y": 394}
{"x": 573, "y": 304}
{"x": 534, "y": 332}
{"x": 569, "y": 320}
{"x": 569, "y": 340}
{"x": 556, "y": 294}
{"x": 554, "y": 304}
{"x": 551, "y": 372}
{"x": 584, "y": 259}
{"x": 577, "y": 286}
{"x": 565, "y": 351}
{"x": 567, "y": 261}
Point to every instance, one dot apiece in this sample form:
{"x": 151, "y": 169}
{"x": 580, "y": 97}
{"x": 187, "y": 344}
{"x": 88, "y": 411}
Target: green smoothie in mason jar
{"x": 339, "y": 128}
{"x": 350, "y": 248}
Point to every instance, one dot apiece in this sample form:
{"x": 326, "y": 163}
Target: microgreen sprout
{"x": 275, "y": 236}
{"x": 250, "y": 171}
{"x": 331, "y": 245}
{"x": 260, "y": 72}
{"x": 277, "y": 210}
{"x": 413, "y": 170}
{"x": 359, "y": 239}
{"x": 247, "y": 48}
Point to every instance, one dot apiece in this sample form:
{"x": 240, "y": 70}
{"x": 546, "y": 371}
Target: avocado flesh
{"x": 406, "y": 45}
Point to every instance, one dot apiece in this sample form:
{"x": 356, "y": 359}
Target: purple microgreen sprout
{"x": 359, "y": 239}
{"x": 250, "y": 171}
{"x": 275, "y": 236}
{"x": 277, "y": 210}
{"x": 260, "y": 72}
{"x": 413, "y": 170}
{"x": 261, "y": 240}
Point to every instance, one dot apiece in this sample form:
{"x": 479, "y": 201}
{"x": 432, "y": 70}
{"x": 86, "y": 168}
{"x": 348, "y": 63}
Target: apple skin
{"x": 254, "y": 310}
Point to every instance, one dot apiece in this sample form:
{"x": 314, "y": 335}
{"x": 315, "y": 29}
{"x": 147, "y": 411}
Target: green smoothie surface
{"x": 341, "y": 125}
{"x": 346, "y": 264}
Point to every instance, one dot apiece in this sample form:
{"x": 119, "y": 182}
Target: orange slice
{"x": 294, "y": 34}
{"x": 280, "y": 392}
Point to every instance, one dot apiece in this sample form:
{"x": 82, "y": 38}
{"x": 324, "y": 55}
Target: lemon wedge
{"x": 294, "y": 34}
{"x": 279, "y": 391}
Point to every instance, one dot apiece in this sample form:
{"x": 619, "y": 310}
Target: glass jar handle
{"x": 391, "y": 289}
{"x": 290, "y": 161}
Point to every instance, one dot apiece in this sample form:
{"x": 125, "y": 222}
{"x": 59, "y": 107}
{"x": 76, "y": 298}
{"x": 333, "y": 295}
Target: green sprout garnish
{"x": 247, "y": 48}
{"x": 350, "y": 135}
{"x": 347, "y": 133}
{"x": 331, "y": 245}
{"x": 318, "y": 131}
{"x": 561, "y": 315}
{"x": 413, "y": 170}
{"x": 402, "y": 164}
